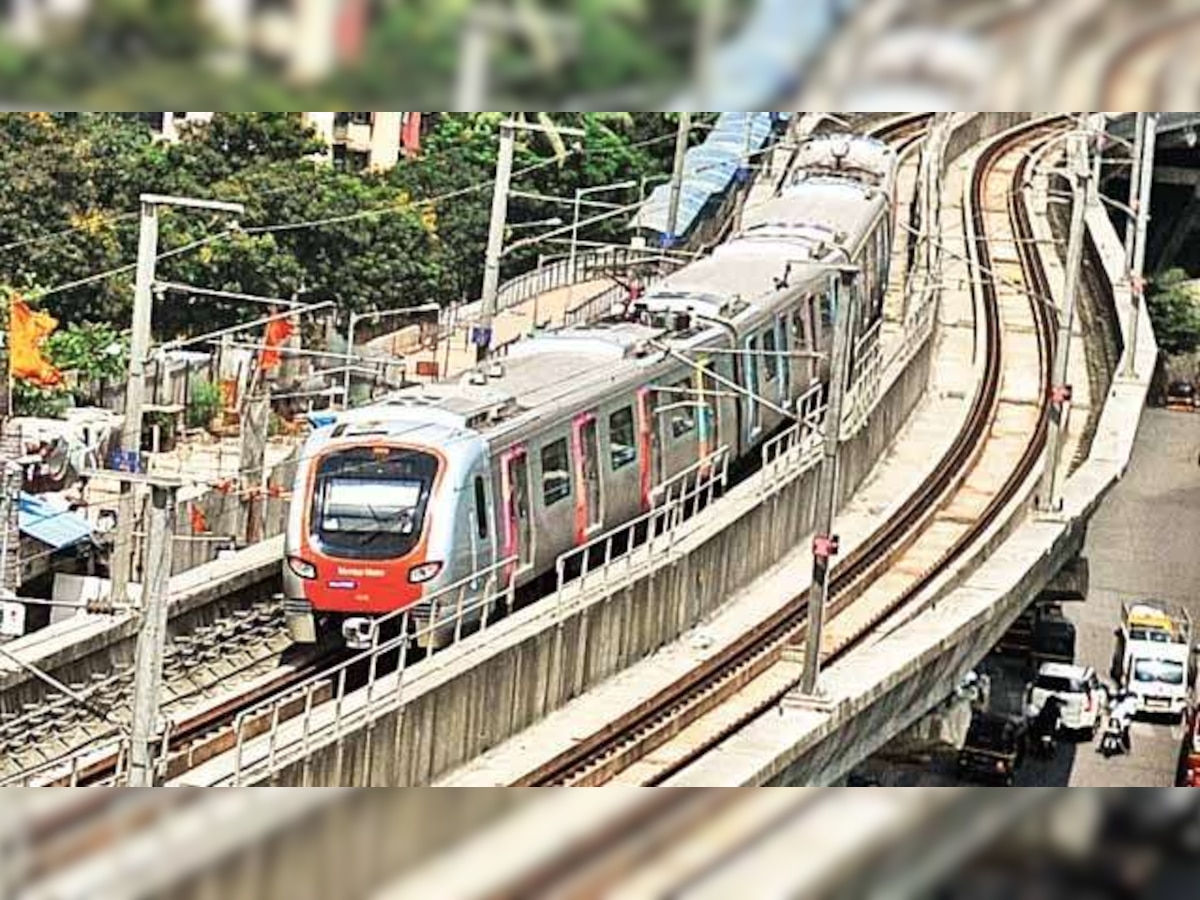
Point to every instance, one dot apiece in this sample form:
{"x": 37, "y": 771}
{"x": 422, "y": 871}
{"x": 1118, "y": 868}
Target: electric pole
{"x": 121, "y": 561}
{"x": 825, "y": 543}
{"x": 1060, "y": 390}
{"x": 152, "y": 636}
{"x": 681, "y": 145}
{"x": 1137, "y": 281}
{"x": 495, "y": 244}
{"x": 1135, "y": 187}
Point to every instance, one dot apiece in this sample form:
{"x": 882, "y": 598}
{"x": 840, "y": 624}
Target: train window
{"x": 770, "y": 360}
{"x": 481, "y": 517}
{"x": 752, "y": 384}
{"x": 622, "y": 439}
{"x": 556, "y": 472}
{"x": 369, "y": 502}
{"x": 683, "y": 416}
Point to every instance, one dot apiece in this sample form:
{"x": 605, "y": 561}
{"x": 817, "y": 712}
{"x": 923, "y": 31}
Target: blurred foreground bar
{"x": 297, "y": 844}
{"x": 836, "y": 843}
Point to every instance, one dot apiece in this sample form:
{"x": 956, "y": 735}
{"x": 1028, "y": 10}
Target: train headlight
{"x": 422, "y": 573}
{"x": 302, "y": 568}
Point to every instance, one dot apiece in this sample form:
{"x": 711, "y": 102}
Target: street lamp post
{"x": 1060, "y": 398}
{"x": 355, "y": 318}
{"x": 499, "y": 215}
{"x": 580, "y": 193}
{"x": 824, "y": 541}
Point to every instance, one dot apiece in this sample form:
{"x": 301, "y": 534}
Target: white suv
{"x": 1078, "y": 688}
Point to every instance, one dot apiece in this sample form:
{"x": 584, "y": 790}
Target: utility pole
{"x": 252, "y": 458}
{"x": 825, "y": 543}
{"x": 1135, "y": 187}
{"x": 121, "y": 563}
{"x": 681, "y": 143}
{"x": 152, "y": 636}
{"x": 1060, "y": 390}
{"x": 1137, "y": 281}
{"x": 495, "y": 244}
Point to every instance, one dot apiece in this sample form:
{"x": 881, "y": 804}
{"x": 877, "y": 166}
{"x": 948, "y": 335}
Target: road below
{"x": 1142, "y": 542}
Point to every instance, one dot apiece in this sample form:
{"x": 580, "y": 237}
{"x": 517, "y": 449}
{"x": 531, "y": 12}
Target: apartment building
{"x": 355, "y": 141}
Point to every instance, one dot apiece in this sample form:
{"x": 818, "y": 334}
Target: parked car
{"x": 1079, "y": 689}
{"x": 994, "y": 748}
{"x": 1040, "y": 634}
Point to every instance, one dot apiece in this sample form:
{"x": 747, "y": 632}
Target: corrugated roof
{"x": 51, "y": 526}
{"x": 709, "y": 168}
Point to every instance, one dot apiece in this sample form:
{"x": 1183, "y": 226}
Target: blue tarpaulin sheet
{"x": 50, "y": 525}
{"x": 709, "y": 169}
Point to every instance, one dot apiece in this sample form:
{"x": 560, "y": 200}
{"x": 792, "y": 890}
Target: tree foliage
{"x": 68, "y": 210}
{"x": 1174, "y": 305}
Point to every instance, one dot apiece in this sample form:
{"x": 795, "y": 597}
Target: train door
{"x": 483, "y": 548}
{"x": 589, "y": 499}
{"x": 518, "y": 521}
{"x": 753, "y": 407}
{"x": 710, "y": 408}
{"x": 650, "y": 460}
{"x": 801, "y": 342}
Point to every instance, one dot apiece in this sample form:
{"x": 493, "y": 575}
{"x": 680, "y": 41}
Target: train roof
{"x": 553, "y": 373}
{"x": 857, "y": 158}
{"x": 538, "y": 374}
{"x": 836, "y": 206}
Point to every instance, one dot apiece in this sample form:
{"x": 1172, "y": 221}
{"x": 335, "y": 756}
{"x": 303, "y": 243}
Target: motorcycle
{"x": 1044, "y": 728}
{"x": 1112, "y": 739}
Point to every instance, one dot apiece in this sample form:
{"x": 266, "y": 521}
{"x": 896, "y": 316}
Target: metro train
{"x": 570, "y": 433}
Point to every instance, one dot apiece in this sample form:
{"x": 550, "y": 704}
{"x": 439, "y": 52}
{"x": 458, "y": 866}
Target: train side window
{"x": 556, "y": 472}
{"x": 622, "y": 438}
{"x": 752, "y": 384}
{"x": 683, "y": 417}
{"x": 481, "y": 516}
{"x": 770, "y": 360}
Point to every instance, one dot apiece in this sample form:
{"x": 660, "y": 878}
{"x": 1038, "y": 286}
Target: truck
{"x": 1154, "y": 657}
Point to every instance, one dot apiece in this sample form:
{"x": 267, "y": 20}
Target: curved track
{"x": 694, "y": 712}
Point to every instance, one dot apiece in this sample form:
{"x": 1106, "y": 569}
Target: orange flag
{"x": 278, "y": 331}
{"x": 27, "y": 331}
{"x": 198, "y": 519}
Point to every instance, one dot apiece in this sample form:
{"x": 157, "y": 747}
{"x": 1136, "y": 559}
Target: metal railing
{"x": 583, "y": 574}
{"x": 327, "y": 703}
{"x": 326, "y": 707}
{"x": 589, "y": 265}
{"x": 629, "y": 548}
{"x": 798, "y": 447}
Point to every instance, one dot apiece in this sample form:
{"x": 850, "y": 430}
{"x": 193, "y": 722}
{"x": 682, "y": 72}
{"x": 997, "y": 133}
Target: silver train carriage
{"x": 571, "y": 433}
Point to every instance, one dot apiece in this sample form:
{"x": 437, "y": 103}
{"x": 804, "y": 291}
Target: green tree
{"x": 1174, "y": 305}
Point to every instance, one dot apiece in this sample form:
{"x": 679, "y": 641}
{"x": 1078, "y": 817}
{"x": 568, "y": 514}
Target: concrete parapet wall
{"x": 883, "y": 688}
{"x": 491, "y": 687}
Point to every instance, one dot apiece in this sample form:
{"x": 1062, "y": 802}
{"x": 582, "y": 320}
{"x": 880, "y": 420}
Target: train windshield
{"x": 369, "y": 502}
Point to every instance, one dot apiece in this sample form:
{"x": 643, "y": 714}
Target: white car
{"x": 1079, "y": 690}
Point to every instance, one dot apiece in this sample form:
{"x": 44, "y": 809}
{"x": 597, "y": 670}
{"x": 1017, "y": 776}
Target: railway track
{"x": 53, "y": 736}
{"x": 1004, "y": 432}
{"x": 206, "y": 718}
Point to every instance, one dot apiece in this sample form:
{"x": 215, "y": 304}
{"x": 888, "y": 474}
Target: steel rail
{"x": 653, "y": 722}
